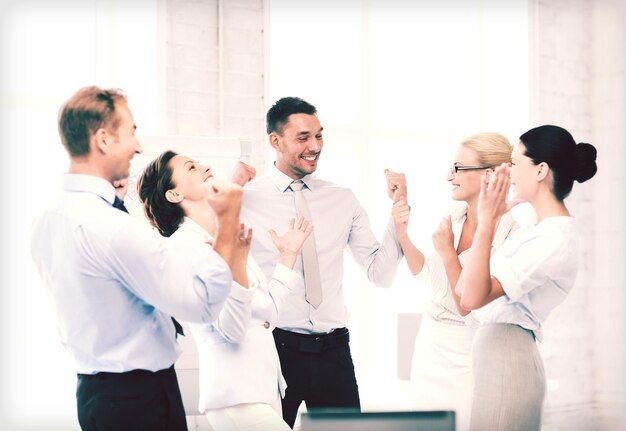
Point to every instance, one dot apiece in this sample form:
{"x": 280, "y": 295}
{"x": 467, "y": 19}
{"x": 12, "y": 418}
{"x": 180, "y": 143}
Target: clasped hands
{"x": 493, "y": 199}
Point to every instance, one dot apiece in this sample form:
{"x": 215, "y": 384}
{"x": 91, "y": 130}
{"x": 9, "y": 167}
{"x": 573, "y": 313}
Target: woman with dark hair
{"x": 240, "y": 378}
{"x": 512, "y": 292}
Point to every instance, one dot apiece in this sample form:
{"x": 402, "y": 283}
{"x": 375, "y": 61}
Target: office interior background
{"x": 397, "y": 85}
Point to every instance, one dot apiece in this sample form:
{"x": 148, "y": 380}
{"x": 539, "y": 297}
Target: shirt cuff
{"x": 285, "y": 275}
{"x": 240, "y": 293}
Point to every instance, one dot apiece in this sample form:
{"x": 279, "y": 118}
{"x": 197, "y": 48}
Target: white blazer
{"x": 237, "y": 355}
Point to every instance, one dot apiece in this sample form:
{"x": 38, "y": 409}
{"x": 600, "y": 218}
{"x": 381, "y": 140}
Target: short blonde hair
{"x": 492, "y": 149}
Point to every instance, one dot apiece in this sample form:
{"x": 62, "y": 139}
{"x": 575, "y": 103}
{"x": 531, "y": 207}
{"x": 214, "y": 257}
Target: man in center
{"x": 311, "y": 335}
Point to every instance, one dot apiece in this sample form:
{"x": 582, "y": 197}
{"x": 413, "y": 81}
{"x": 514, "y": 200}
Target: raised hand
{"x": 290, "y": 243}
{"x": 242, "y": 173}
{"x": 443, "y": 238}
{"x": 494, "y": 190}
{"x": 396, "y": 185}
{"x": 239, "y": 256}
{"x": 244, "y": 239}
{"x": 400, "y": 213}
{"x": 224, "y": 197}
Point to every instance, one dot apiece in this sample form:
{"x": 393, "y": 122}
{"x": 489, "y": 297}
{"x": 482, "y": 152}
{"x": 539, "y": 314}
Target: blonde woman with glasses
{"x": 441, "y": 376}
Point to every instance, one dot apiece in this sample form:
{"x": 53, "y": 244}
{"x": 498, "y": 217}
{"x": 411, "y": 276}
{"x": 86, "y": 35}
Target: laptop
{"x": 337, "y": 420}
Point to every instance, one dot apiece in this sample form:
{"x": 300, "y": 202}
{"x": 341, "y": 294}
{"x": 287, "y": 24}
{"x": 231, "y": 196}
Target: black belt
{"x": 312, "y": 343}
{"x": 128, "y": 375}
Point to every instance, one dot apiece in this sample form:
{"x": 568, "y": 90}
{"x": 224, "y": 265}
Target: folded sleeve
{"x": 281, "y": 283}
{"x": 234, "y": 319}
{"x": 528, "y": 265}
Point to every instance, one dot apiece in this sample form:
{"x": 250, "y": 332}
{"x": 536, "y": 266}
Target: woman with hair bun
{"x": 512, "y": 292}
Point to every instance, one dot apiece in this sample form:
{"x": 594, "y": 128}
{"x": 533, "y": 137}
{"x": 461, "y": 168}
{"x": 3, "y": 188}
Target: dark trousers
{"x": 134, "y": 401}
{"x": 318, "y": 371}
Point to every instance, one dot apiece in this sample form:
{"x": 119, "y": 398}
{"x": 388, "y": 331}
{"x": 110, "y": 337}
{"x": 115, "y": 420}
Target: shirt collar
{"x": 195, "y": 227}
{"x": 283, "y": 181}
{"x": 458, "y": 212}
{"x": 89, "y": 184}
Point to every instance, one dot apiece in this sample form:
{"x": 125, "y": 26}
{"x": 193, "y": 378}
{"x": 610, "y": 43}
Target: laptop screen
{"x": 376, "y": 421}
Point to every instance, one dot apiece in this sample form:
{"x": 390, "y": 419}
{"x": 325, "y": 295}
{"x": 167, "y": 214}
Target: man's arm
{"x": 242, "y": 173}
{"x": 379, "y": 259}
{"x": 185, "y": 281}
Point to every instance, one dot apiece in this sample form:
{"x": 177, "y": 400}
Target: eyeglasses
{"x": 454, "y": 169}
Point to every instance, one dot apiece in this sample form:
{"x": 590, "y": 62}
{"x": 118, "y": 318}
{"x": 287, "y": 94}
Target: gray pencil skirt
{"x": 509, "y": 379}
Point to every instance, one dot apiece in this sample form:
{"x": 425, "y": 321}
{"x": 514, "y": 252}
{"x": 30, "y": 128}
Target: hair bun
{"x": 586, "y": 166}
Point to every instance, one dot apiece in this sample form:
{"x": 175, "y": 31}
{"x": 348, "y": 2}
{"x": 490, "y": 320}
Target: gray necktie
{"x": 309, "y": 252}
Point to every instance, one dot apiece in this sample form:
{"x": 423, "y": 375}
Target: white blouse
{"x": 441, "y": 305}
{"x": 237, "y": 355}
{"x": 537, "y": 268}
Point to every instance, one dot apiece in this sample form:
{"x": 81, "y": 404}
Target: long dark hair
{"x": 155, "y": 180}
{"x": 568, "y": 160}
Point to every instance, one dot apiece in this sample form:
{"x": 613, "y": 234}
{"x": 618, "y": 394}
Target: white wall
{"x": 608, "y": 296}
{"x": 579, "y": 83}
{"x": 215, "y": 70}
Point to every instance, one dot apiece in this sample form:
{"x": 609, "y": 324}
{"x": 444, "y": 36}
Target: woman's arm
{"x": 234, "y": 319}
{"x": 240, "y": 253}
{"x": 476, "y": 286}
{"x": 289, "y": 245}
{"x": 443, "y": 240}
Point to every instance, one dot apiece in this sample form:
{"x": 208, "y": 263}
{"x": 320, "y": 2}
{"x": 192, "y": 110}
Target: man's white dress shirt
{"x": 339, "y": 221}
{"x": 115, "y": 283}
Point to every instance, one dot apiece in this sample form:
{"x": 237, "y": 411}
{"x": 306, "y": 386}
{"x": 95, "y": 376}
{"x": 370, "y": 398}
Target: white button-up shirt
{"x": 115, "y": 283}
{"x": 537, "y": 268}
{"x": 339, "y": 221}
{"x": 441, "y": 305}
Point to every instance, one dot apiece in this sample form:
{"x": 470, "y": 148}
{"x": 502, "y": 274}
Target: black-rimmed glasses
{"x": 454, "y": 169}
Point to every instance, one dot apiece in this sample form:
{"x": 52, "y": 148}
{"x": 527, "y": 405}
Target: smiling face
{"x": 188, "y": 177}
{"x": 524, "y": 174}
{"x": 124, "y": 143}
{"x": 465, "y": 184}
{"x": 299, "y": 145}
